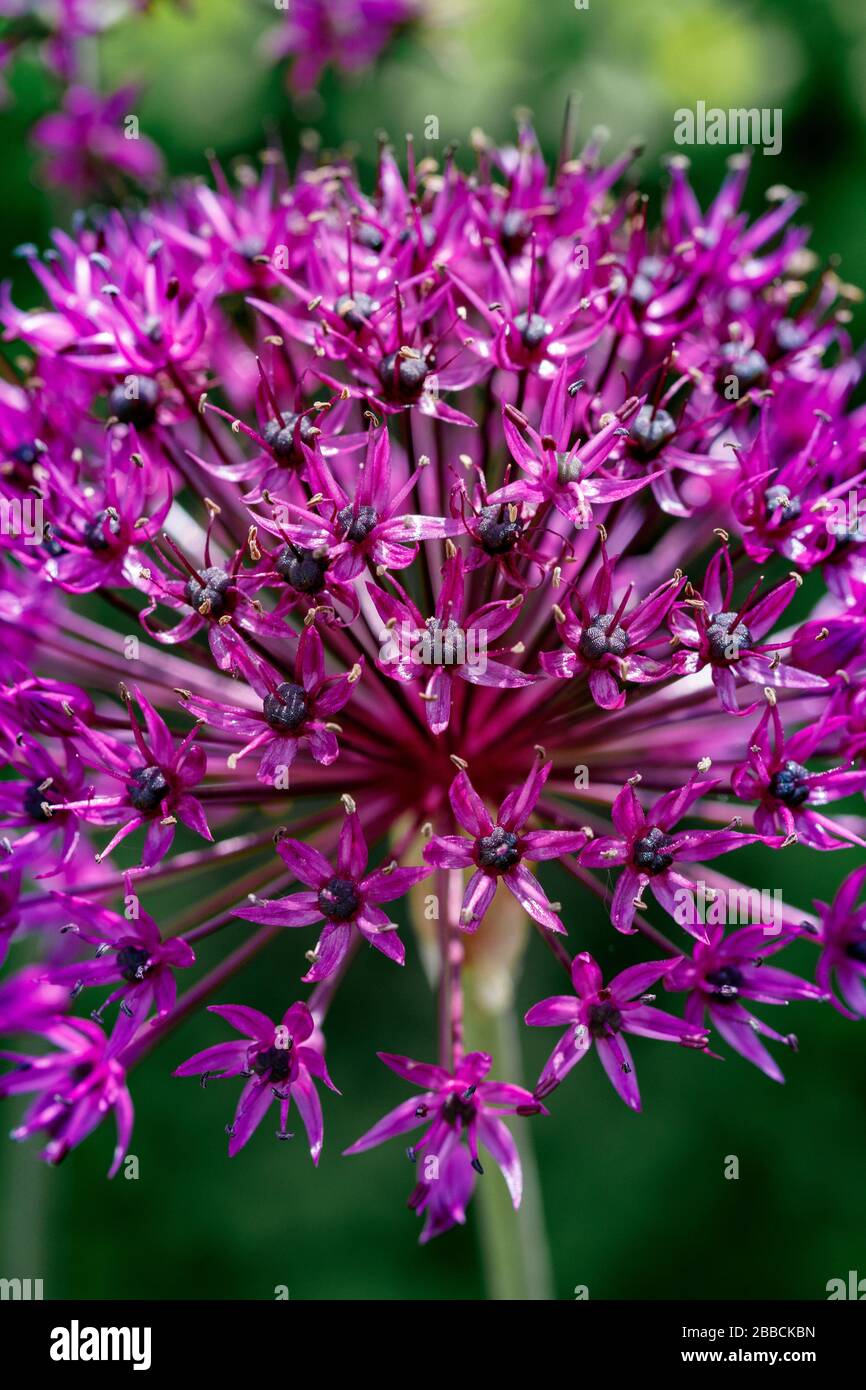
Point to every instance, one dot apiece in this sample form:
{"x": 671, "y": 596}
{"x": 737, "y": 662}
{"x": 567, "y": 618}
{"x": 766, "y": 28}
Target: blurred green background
{"x": 633, "y": 1206}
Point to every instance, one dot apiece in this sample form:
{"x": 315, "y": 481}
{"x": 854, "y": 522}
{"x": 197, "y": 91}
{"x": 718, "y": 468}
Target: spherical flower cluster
{"x": 440, "y": 535}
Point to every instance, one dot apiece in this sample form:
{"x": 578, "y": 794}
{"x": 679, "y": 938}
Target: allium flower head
{"x": 471, "y": 518}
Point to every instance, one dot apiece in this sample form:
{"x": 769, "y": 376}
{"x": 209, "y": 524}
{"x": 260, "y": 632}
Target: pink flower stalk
{"x": 431, "y": 577}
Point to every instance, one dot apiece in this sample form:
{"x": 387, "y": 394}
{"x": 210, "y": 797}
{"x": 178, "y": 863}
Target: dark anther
{"x": 357, "y": 523}
{"x": 403, "y": 377}
{"x": 726, "y": 640}
{"x": 355, "y": 309}
{"x": 209, "y": 588}
{"x": 499, "y": 851}
{"x": 749, "y": 367}
{"x": 727, "y": 980}
{"x": 147, "y": 789}
{"x": 781, "y": 505}
{"x": 95, "y": 537}
{"x": 651, "y": 429}
{"x": 281, "y": 437}
{"x": 443, "y": 645}
{"x": 285, "y": 709}
{"x": 457, "y": 1110}
{"x": 476, "y": 1164}
{"x": 604, "y": 1020}
{"x": 35, "y": 801}
{"x": 132, "y": 963}
{"x": 514, "y": 232}
{"x": 370, "y": 237}
{"x": 134, "y": 402}
{"x": 497, "y": 536}
{"x": 790, "y": 785}
{"x": 533, "y": 329}
{"x": 600, "y": 639}
{"x": 339, "y": 899}
{"x": 274, "y": 1062}
{"x": 649, "y": 854}
{"x": 301, "y": 569}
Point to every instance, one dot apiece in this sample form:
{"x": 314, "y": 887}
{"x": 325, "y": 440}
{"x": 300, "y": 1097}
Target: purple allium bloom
{"x": 28, "y": 1000}
{"x": 155, "y": 779}
{"x": 842, "y": 938}
{"x": 75, "y": 1087}
{"x": 438, "y": 649}
{"x": 291, "y": 713}
{"x": 228, "y": 458}
{"x": 345, "y": 34}
{"x": 498, "y": 847}
{"x": 131, "y": 954}
{"x": 558, "y": 470}
{"x": 42, "y": 840}
{"x": 715, "y": 631}
{"x": 599, "y": 1014}
{"x": 344, "y": 895}
{"x": 724, "y": 971}
{"x": 279, "y": 1062}
{"x": 453, "y": 1105}
{"x": 85, "y": 146}
{"x": 787, "y": 791}
{"x": 367, "y": 528}
{"x": 648, "y": 844}
{"x": 610, "y": 641}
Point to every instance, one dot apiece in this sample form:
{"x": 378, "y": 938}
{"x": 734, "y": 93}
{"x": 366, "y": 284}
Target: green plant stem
{"x": 514, "y": 1247}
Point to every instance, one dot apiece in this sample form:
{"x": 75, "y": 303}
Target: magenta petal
{"x": 637, "y": 979}
{"x": 255, "y": 1100}
{"x": 424, "y": 1074}
{"x": 623, "y": 906}
{"x": 246, "y": 1020}
{"x": 298, "y": 910}
{"x": 306, "y": 1098}
{"x": 572, "y": 1046}
{"x": 554, "y": 1012}
{"x": 351, "y": 850}
{"x": 617, "y": 1061}
{"x": 532, "y": 897}
{"x": 468, "y": 807}
{"x": 398, "y": 1121}
{"x": 305, "y": 862}
{"x": 479, "y": 894}
{"x": 498, "y": 1139}
{"x": 449, "y": 852}
{"x": 228, "y": 1058}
